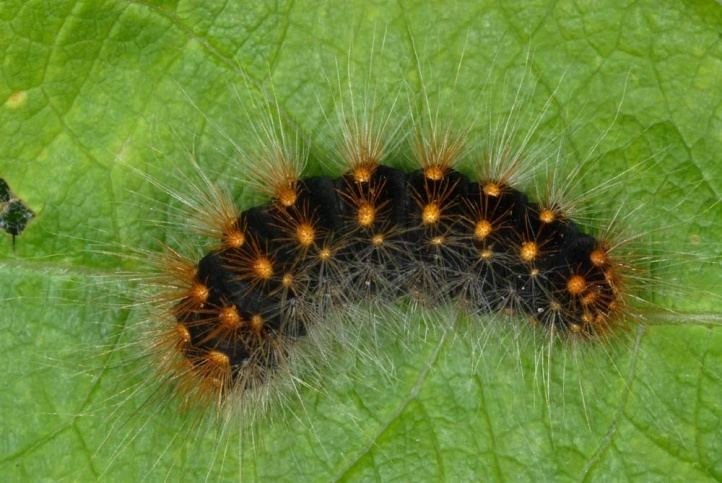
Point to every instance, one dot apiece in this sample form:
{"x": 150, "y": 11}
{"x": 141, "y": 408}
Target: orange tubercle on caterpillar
{"x": 233, "y": 238}
{"x": 183, "y": 335}
{"x": 486, "y": 254}
{"x": 576, "y": 284}
{"x": 492, "y": 189}
{"x": 219, "y": 360}
{"x": 256, "y": 323}
{"x": 437, "y": 240}
{"x": 437, "y": 150}
{"x": 482, "y": 229}
{"x": 285, "y": 193}
{"x": 431, "y": 214}
{"x": 547, "y": 215}
{"x": 228, "y": 318}
{"x": 305, "y": 234}
{"x": 599, "y": 257}
{"x": 366, "y": 214}
{"x": 325, "y": 254}
{"x": 377, "y": 240}
{"x": 198, "y": 293}
{"x": 262, "y": 268}
{"x": 287, "y": 280}
{"x": 363, "y": 171}
{"x": 529, "y": 251}
{"x": 435, "y": 172}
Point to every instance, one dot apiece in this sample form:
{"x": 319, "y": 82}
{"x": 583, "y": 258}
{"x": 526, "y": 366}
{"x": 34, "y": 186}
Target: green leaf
{"x": 89, "y": 87}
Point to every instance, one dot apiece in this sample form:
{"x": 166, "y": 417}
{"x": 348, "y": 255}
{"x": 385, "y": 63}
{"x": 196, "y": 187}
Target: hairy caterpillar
{"x": 379, "y": 233}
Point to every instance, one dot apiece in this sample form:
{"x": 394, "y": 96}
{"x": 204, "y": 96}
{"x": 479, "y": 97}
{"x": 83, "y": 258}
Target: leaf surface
{"x": 91, "y": 87}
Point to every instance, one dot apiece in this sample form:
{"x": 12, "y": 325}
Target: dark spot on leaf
{"x": 14, "y": 215}
{"x": 4, "y": 191}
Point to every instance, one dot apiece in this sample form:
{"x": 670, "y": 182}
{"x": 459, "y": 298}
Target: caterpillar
{"x": 378, "y": 232}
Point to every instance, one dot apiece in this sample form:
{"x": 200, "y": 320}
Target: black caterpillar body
{"x": 380, "y": 233}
